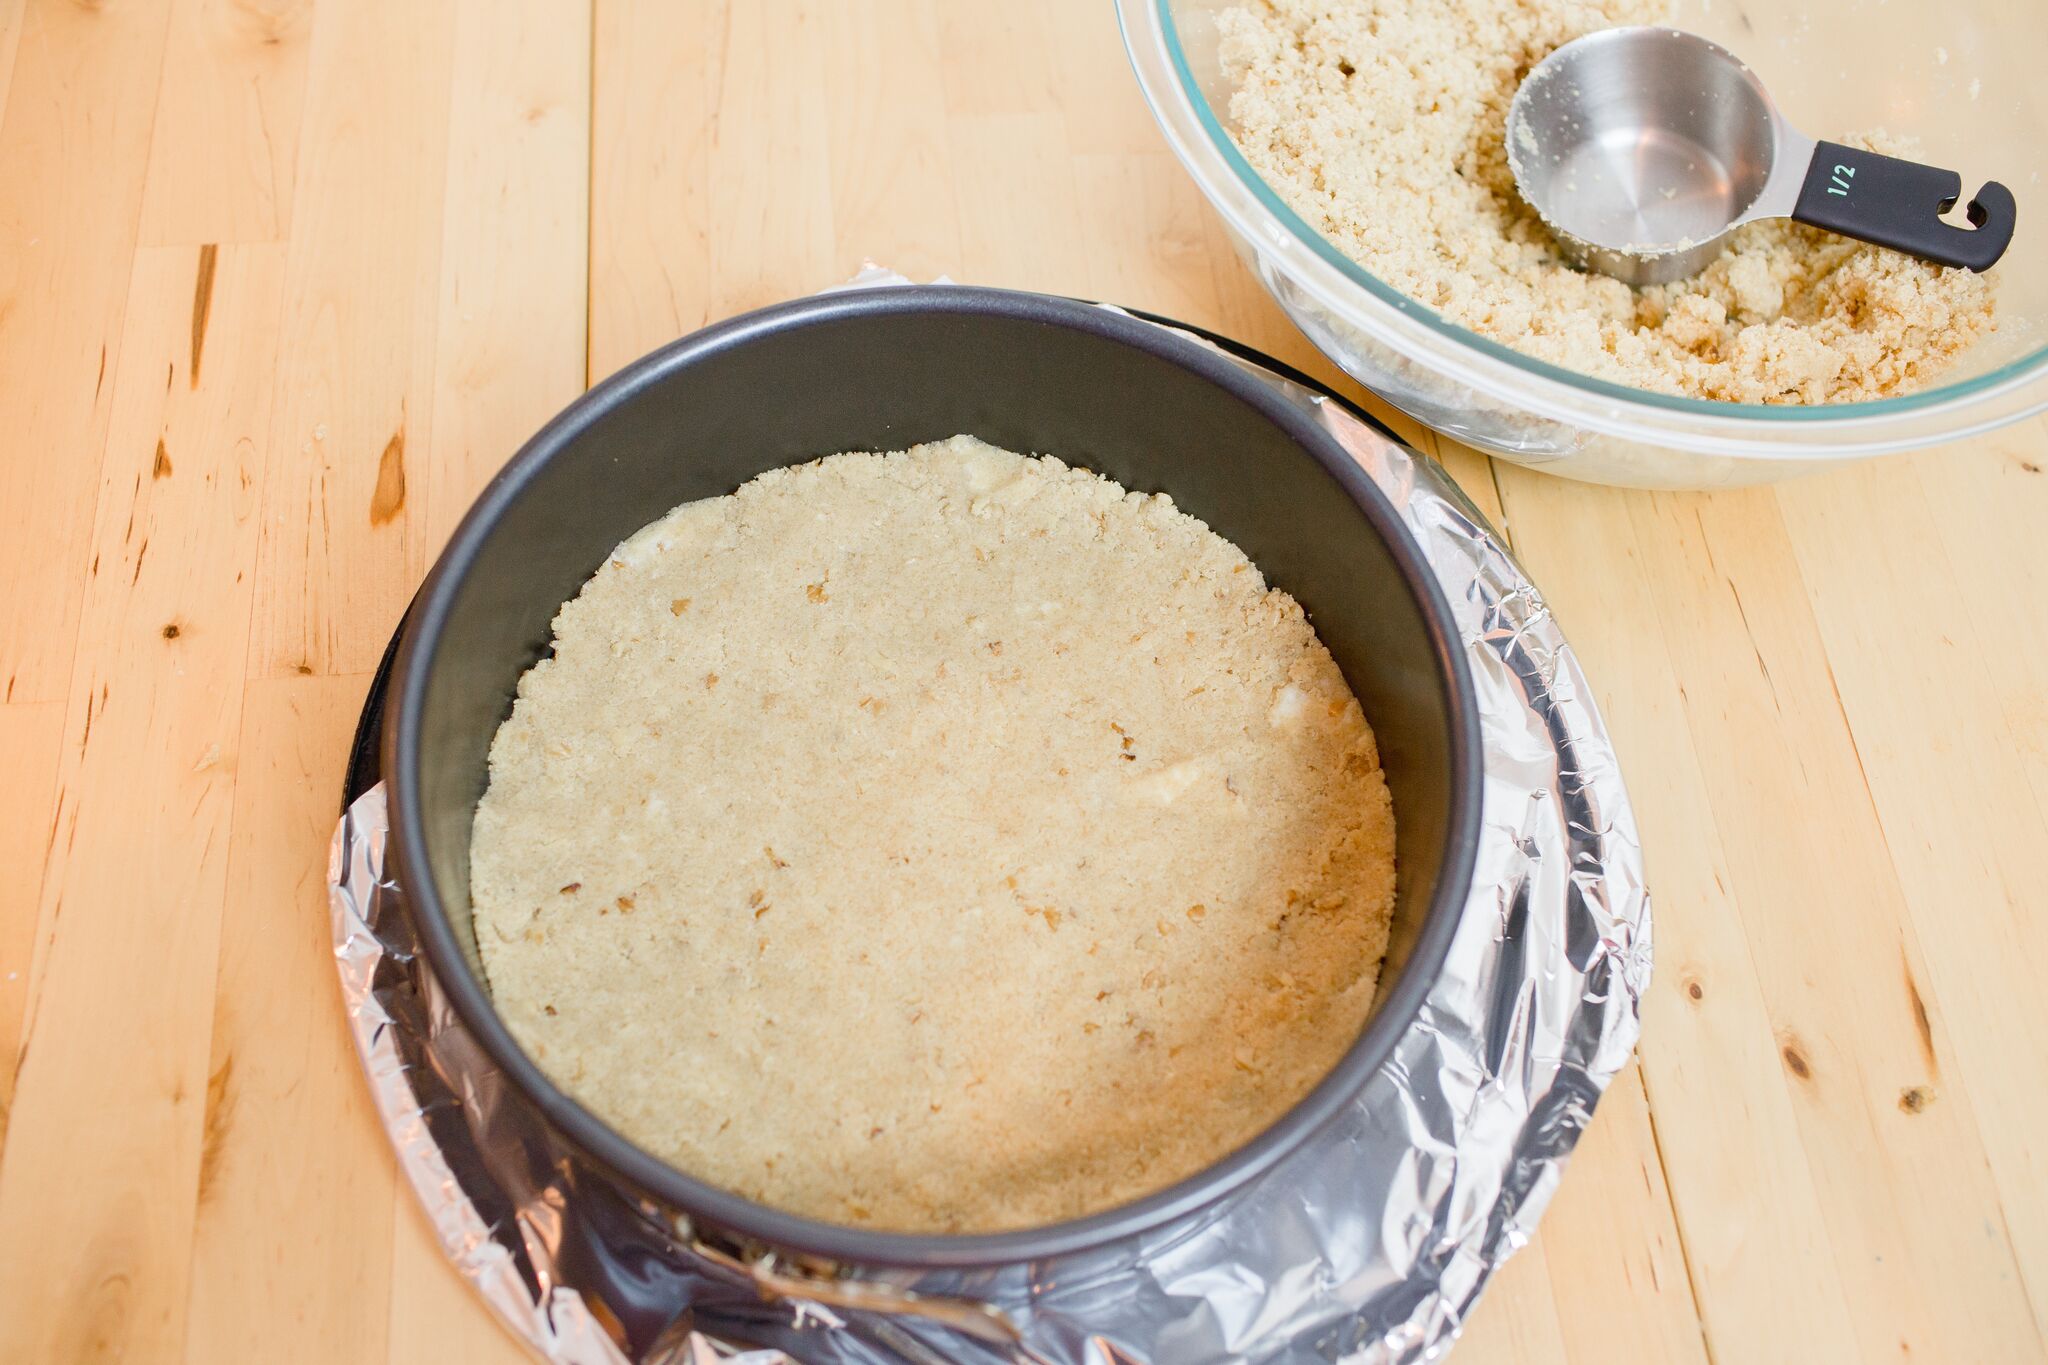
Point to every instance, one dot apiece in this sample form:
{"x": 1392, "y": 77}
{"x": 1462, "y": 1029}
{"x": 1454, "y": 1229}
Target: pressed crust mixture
{"x": 942, "y": 840}
{"x": 1382, "y": 122}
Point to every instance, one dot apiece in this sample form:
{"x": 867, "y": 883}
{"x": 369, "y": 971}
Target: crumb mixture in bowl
{"x": 939, "y": 841}
{"x": 1382, "y": 123}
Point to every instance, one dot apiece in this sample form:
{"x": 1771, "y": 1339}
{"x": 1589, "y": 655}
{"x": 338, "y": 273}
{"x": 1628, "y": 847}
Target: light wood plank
{"x": 514, "y": 245}
{"x": 1516, "y": 1321}
{"x": 227, "y": 122}
{"x": 1912, "y": 1211}
{"x": 113, "y": 1078}
{"x": 1147, "y": 247}
{"x": 889, "y": 162}
{"x": 771, "y": 235}
{"x": 295, "y": 1182}
{"x": 29, "y": 737}
{"x": 11, "y": 13}
{"x": 73, "y": 147}
{"x": 1988, "y": 501}
{"x": 656, "y": 105}
{"x": 344, "y": 524}
{"x": 1000, "y": 59}
{"x": 1962, "y": 833}
{"x": 1092, "y": 83}
{"x": 1617, "y": 1273}
{"x": 1013, "y": 181}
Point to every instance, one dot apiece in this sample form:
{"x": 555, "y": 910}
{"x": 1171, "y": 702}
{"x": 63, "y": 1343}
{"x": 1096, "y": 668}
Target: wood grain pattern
{"x": 227, "y": 125}
{"x": 1981, "y": 505}
{"x": 1838, "y": 960}
{"x": 11, "y": 14}
{"x": 73, "y": 146}
{"x": 1518, "y": 1319}
{"x": 1618, "y": 1274}
{"x": 767, "y": 229}
{"x": 658, "y": 82}
{"x": 30, "y": 735}
{"x": 343, "y": 528}
{"x": 511, "y": 341}
{"x": 1953, "y": 833}
{"x": 283, "y": 282}
{"x": 104, "y": 1149}
{"x": 889, "y": 162}
{"x": 295, "y": 1190}
{"x": 435, "y": 1315}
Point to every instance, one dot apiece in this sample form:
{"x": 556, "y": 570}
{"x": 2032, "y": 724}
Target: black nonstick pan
{"x": 879, "y": 370}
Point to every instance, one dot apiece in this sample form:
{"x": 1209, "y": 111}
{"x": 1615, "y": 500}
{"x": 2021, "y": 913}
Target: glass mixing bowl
{"x": 1962, "y": 78}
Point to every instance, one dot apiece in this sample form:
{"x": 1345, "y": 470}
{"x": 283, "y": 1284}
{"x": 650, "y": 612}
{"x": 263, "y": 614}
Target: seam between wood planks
{"x": 1692, "y": 1284}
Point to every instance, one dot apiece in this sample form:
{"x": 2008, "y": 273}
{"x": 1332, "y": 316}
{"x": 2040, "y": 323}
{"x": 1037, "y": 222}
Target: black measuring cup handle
{"x": 1899, "y": 204}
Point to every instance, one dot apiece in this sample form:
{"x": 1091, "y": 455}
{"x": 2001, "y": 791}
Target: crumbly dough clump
{"x": 942, "y": 840}
{"x": 1382, "y": 123}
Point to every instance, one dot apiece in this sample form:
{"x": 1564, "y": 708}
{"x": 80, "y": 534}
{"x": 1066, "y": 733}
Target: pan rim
{"x": 734, "y": 1213}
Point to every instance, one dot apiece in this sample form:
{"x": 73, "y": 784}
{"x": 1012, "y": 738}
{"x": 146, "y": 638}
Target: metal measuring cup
{"x": 1642, "y": 148}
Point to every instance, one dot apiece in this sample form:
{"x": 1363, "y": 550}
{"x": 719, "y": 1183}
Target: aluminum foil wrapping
{"x": 1370, "y": 1243}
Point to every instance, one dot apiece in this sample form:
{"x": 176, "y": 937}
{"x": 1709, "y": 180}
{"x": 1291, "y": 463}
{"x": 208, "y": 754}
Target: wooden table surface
{"x": 283, "y": 281}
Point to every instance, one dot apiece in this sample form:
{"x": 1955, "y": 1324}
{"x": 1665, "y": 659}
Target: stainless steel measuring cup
{"x": 1642, "y": 148}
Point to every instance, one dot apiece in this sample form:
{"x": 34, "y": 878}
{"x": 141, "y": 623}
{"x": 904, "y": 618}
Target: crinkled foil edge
{"x": 1371, "y": 1243}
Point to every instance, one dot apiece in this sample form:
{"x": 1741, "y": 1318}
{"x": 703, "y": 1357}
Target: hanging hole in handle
{"x": 1990, "y": 212}
{"x": 1964, "y": 215}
